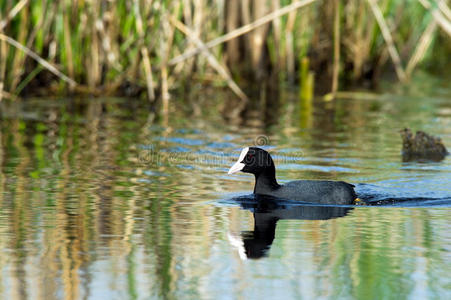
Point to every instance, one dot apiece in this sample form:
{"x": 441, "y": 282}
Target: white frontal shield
{"x": 238, "y": 166}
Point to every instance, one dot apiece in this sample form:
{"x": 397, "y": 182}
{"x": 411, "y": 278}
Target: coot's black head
{"x": 253, "y": 160}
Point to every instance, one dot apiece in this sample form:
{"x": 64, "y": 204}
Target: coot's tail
{"x": 351, "y": 188}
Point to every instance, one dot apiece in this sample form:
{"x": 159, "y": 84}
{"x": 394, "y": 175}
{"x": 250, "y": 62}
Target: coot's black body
{"x": 258, "y": 162}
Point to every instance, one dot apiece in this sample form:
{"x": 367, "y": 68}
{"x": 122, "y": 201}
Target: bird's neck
{"x": 266, "y": 181}
{"x": 265, "y": 226}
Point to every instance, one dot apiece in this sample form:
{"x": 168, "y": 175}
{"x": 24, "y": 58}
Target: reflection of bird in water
{"x": 267, "y": 211}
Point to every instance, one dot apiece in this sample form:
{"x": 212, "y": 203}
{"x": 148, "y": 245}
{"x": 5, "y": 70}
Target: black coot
{"x": 258, "y": 162}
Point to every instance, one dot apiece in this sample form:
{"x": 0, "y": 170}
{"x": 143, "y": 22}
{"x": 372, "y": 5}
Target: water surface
{"x": 101, "y": 200}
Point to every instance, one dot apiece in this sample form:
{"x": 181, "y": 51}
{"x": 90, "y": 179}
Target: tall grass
{"x": 126, "y": 47}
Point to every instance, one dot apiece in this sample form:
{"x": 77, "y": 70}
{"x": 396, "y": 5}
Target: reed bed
{"x": 152, "y": 48}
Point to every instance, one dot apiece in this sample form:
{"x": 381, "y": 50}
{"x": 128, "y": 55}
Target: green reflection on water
{"x": 82, "y": 216}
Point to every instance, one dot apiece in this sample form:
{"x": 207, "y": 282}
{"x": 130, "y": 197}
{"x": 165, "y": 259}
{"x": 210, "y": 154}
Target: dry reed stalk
{"x": 198, "y": 16}
{"x": 232, "y": 22}
{"x": 444, "y": 9}
{"x": 245, "y": 11}
{"x": 93, "y": 62}
{"x": 289, "y": 46}
{"x": 187, "y": 13}
{"x": 169, "y": 33}
{"x": 19, "y": 57}
{"x": 16, "y": 9}
{"x": 439, "y": 18}
{"x": 242, "y": 30}
{"x": 258, "y": 36}
{"x": 148, "y": 71}
{"x": 5, "y": 94}
{"x": 109, "y": 35}
{"x": 388, "y": 40}
{"x": 36, "y": 57}
{"x": 220, "y": 6}
{"x": 188, "y": 19}
{"x": 165, "y": 96}
{"x": 336, "y": 66}
{"x": 358, "y": 35}
{"x": 164, "y": 90}
{"x": 3, "y": 60}
{"x": 198, "y": 20}
{"x": 67, "y": 40}
{"x": 277, "y": 31}
{"x": 246, "y": 16}
{"x": 211, "y": 59}
{"x": 145, "y": 53}
{"x": 421, "y": 48}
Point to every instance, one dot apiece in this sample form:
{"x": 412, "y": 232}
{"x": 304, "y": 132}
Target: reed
{"x": 130, "y": 47}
